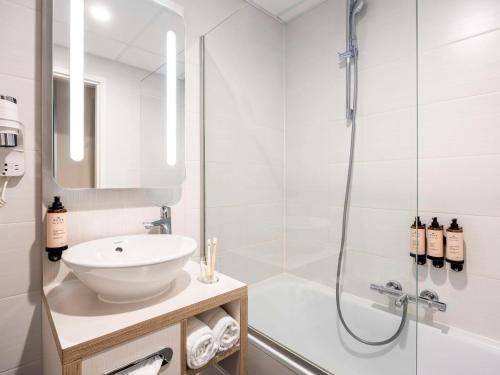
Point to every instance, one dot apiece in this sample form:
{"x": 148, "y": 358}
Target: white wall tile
{"x": 463, "y": 127}
{"x": 192, "y": 224}
{"x": 20, "y": 324}
{"x": 385, "y": 29}
{"x": 191, "y": 188}
{"x": 388, "y": 87}
{"x": 391, "y": 184}
{"x": 21, "y": 253}
{"x": 381, "y": 232}
{"x": 458, "y": 70}
{"x": 19, "y": 40}
{"x": 315, "y": 99}
{"x": 316, "y": 35}
{"x": 387, "y": 136}
{"x": 447, "y": 21}
{"x": 463, "y": 292}
{"x": 460, "y": 185}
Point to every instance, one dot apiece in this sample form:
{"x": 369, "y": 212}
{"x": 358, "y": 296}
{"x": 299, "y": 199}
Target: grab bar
{"x": 426, "y": 297}
{"x": 165, "y": 354}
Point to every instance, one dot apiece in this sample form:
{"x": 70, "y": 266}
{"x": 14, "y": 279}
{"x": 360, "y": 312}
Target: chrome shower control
{"x": 394, "y": 285}
{"x": 427, "y": 297}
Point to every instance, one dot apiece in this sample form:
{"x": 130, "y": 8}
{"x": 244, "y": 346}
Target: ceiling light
{"x": 100, "y": 13}
{"x": 76, "y": 66}
{"x": 171, "y": 80}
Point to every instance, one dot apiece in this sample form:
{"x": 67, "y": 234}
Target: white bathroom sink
{"x": 129, "y": 268}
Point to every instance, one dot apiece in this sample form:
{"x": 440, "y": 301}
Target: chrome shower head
{"x": 357, "y": 7}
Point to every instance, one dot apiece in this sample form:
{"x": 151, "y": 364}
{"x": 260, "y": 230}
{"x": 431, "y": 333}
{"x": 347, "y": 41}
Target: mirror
{"x": 118, "y": 94}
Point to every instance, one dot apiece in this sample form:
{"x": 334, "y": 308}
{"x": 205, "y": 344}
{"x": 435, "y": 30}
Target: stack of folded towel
{"x": 210, "y": 332}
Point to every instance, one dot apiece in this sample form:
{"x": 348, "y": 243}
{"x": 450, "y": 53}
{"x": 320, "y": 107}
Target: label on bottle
{"x": 435, "y": 243}
{"x": 57, "y": 235}
{"x": 417, "y": 241}
{"x": 455, "y": 246}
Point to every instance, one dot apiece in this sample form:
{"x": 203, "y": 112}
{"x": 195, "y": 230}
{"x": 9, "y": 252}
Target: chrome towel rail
{"x": 165, "y": 354}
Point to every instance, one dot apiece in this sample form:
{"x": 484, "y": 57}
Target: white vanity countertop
{"x": 79, "y": 316}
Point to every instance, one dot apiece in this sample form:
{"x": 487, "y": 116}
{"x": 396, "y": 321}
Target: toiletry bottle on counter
{"x": 435, "y": 243}
{"x": 57, "y": 236}
{"x": 417, "y": 241}
{"x": 455, "y": 246}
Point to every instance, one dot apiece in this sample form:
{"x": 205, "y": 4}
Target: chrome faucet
{"x": 165, "y": 221}
{"x": 427, "y": 297}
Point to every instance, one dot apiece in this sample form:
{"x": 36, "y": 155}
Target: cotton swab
{"x": 208, "y": 257}
{"x": 214, "y": 254}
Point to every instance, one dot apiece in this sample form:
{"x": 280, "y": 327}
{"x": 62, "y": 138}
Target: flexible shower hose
{"x": 344, "y": 229}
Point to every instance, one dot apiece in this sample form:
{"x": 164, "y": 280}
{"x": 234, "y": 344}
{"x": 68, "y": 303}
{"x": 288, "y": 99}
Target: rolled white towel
{"x": 225, "y": 328}
{"x": 201, "y": 345}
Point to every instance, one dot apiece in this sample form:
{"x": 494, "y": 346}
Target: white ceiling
{"x": 286, "y": 10}
{"x": 135, "y": 35}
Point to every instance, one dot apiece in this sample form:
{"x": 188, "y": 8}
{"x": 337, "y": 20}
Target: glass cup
{"x": 207, "y": 276}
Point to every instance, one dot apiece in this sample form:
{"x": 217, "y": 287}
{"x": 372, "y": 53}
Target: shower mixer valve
{"x": 427, "y": 297}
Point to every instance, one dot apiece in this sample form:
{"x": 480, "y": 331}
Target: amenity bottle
{"x": 57, "y": 236}
{"x": 435, "y": 243}
{"x": 455, "y": 246}
{"x": 417, "y": 241}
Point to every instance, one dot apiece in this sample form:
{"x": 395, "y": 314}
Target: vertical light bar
{"x": 171, "y": 82}
{"x": 76, "y": 58}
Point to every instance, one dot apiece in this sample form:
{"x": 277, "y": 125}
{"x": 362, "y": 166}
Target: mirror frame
{"x": 86, "y": 198}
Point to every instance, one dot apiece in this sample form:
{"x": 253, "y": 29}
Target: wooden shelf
{"x": 219, "y": 357}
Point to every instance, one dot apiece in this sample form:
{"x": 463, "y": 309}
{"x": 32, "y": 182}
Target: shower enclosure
{"x": 276, "y": 162}
{"x": 316, "y": 161}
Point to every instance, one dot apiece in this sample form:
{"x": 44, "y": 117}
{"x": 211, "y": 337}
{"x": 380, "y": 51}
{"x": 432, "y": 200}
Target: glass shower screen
{"x": 276, "y": 153}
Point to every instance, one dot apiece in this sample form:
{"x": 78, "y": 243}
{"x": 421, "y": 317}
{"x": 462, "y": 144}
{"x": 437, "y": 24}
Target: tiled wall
{"x": 20, "y": 265}
{"x": 458, "y": 93}
{"x": 384, "y": 188}
{"x": 244, "y": 135}
{"x": 459, "y": 135}
{"x": 104, "y": 214}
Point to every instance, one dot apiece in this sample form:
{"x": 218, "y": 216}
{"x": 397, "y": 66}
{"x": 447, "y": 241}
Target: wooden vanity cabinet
{"x": 165, "y": 325}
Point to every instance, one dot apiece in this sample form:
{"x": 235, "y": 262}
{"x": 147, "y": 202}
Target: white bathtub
{"x": 302, "y": 316}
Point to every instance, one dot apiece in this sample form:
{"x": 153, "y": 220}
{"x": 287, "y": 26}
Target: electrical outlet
{"x": 12, "y": 166}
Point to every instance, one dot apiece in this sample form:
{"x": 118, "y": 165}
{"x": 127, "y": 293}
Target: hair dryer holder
{"x": 11, "y": 139}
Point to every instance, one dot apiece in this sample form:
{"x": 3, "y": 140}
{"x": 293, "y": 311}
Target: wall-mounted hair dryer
{"x": 11, "y": 143}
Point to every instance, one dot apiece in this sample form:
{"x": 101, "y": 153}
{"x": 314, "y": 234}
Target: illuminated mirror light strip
{"x": 76, "y": 129}
{"x": 171, "y": 92}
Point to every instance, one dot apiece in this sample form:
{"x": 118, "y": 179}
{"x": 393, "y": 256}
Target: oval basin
{"x": 129, "y": 268}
